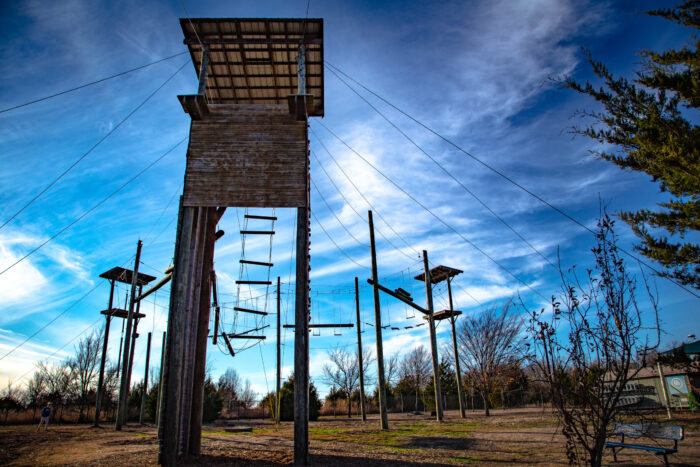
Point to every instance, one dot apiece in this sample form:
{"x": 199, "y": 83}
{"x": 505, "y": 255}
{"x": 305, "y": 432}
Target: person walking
{"x": 45, "y": 414}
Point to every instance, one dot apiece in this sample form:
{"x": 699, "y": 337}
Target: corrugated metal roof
{"x": 254, "y": 60}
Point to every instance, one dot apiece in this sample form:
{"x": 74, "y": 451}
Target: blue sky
{"x": 478, "y": 72}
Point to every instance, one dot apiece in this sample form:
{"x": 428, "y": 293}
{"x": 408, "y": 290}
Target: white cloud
{"x": 24, "y": 280}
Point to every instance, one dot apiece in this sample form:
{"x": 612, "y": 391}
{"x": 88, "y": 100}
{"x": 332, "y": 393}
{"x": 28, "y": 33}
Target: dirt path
{"x": 526, "y": 437}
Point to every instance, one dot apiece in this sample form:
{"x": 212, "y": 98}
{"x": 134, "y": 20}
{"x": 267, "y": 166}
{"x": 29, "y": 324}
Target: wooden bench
{"x": 651, "y": 431}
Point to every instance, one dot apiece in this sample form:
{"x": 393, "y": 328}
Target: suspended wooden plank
{"x": 257, "y": 232}
{"x": 256, "y": 263}
{"x": 247, "y": 310}
{"x": 255, "y": 216}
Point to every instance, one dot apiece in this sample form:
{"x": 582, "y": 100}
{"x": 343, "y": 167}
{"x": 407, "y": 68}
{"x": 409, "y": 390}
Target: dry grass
{"x": 513, "y": 437}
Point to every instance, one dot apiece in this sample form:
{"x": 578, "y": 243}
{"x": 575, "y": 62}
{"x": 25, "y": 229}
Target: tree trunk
{"x": 416, "y": 399}
{"x": 485, "y": 396}
{"x": 349, "y": 408}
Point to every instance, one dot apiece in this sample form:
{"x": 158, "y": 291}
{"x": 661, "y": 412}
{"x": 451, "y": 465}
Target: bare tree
{"x": 586, "y": 349}
{"x": 230, "y": 387}
{"x": 416, "y": 370}
{"x": 392, "y": 369}
{"x": 489, "y": 344}
{"x": 247, "y": 396}
{"x": 83, "y": 367}
{"x": 58, "y": 383}
{"x": 344, "y": 372}
{"x": 36, "y": 392}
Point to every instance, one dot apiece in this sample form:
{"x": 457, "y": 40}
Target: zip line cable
{"x": 334, "y": 243}
{"x": 83, "y": 297}
{"x": 54, "y": 319}
{"x": 448, "y": 173}
{"x": 318, "y": 161}
{"x": 91, "y": 326}
{"x": 438, "y": 218}
{"x": 94, "y": 207}
{"x": 91, "y": 83}
{"x": 177, "y": 190}
{"x": 335, "y": 215}
{"x": 109, "y": 133}
{"x": 368, "y": 203}
{"x": 507, "y": 178}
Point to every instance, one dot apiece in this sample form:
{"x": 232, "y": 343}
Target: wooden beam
{"x": 157, "y": 286}
{"x": 247, "y": 310}
{"x": 311, "y": 40}
{"x": 324, "y": 325}
{"x": 255, "y": 216}
{"x": 256, "y": 263}
{"x": 228, "y": 344}
{"x": 399, "y": 297}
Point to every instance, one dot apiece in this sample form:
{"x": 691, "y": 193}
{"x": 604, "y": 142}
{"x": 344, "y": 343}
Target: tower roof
{"x": 254, "y": 60}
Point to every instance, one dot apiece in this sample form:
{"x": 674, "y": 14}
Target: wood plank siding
{"x": 247, "y": 155}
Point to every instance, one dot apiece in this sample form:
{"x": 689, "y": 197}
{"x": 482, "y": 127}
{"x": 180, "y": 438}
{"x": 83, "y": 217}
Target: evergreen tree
{"x": 645, "y": 121}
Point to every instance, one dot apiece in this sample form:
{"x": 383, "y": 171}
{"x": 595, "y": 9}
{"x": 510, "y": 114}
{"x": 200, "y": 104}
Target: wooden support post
{"x": 278, "y": 382}
{"x": 145, "y": 379}
{"x": 160, "y": 380}
{"x": 134, "y": 336}
{"x": 101, "y": 378}
{"x": 301, "y": 342}
{"x": 171, "y": 381}
{"x": 433, "y": 338}
{"x": 359, "y": 352}
{"x": 121, "y": 341}
{"x": 384, "y": 421}
{"x": 301, "y": 308}
{"x": 201, "y": 90}
{"x": 460, "y": 389}
{"x": 215, "y": 303}
{"x": 207, "y": 223}
{"x": 124, "y": 388}
{"x": 664, "y": 391}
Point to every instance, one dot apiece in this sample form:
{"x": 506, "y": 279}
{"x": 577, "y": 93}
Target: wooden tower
{"x": 259, "y": 81}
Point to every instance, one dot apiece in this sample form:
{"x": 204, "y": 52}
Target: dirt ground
{"x": 512, "y": 437}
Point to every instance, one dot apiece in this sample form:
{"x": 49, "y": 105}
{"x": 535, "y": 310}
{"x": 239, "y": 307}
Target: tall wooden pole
{"x": 124, "y": 388}
{"x": 359, "y": 352}
{"x": 207, "y": 223}
{"x": 279, "y": 359}
{"x": 171, "y": 376}
{"x": 301, "y": 312}
{"x": 433, "y": 338}
{"x": 160, "y": 380}
{"x": 145, "y": 379}
{"x": 460, "y": 390}
{"x": 384, "y": 421}
{"x": 134, "y": 336}
{"x": 101, "y": 378}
